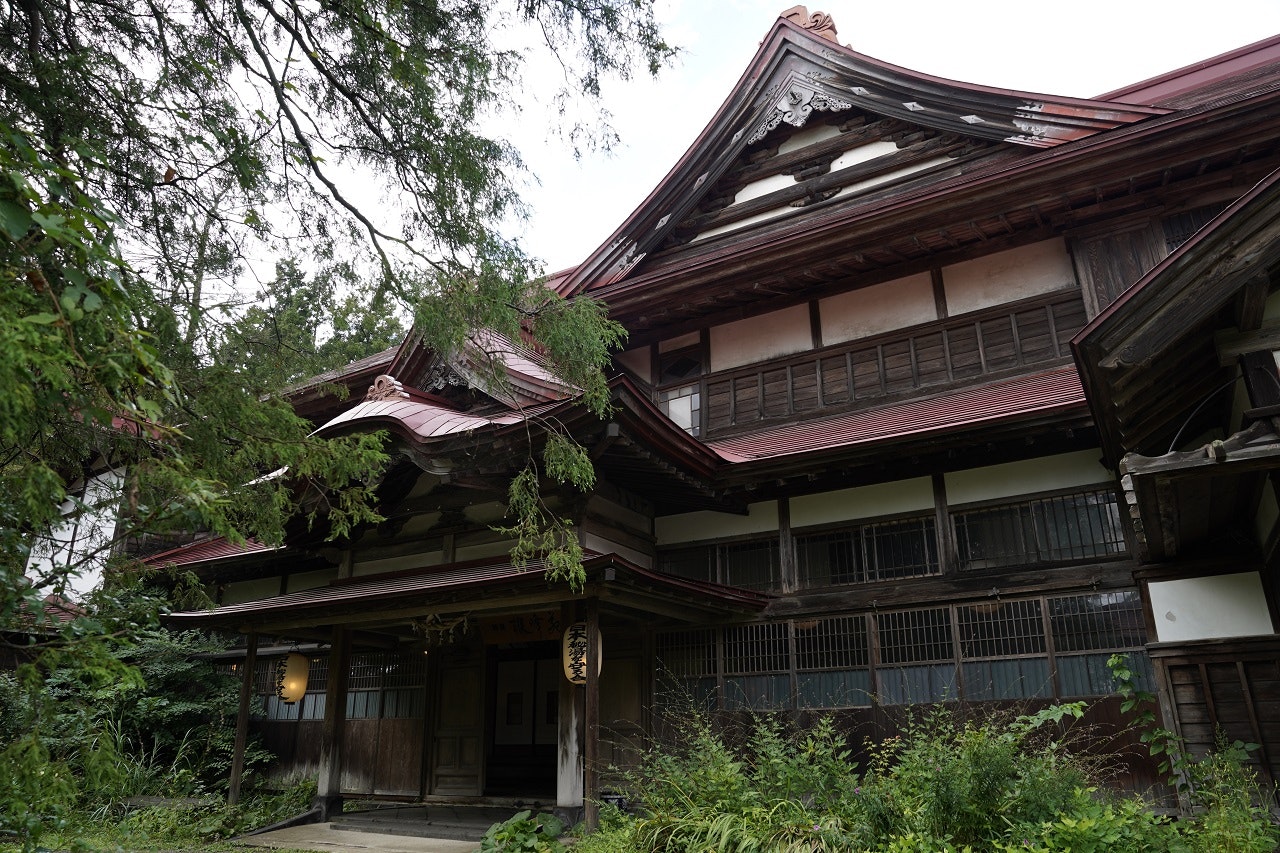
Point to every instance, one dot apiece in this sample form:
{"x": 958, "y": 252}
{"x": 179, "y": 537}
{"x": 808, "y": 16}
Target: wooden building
{"x": 907, "y": 357}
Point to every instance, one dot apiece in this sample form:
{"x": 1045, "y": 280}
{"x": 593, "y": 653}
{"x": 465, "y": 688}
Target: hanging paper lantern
{"x": 574, "y": 653}
{"x": 291, "y": 677}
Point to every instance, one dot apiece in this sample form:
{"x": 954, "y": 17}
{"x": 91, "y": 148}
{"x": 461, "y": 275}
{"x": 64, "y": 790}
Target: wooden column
{"x": 591, "y": 759}
{"x": 242, "y": 718}
{"x": 329, "y": 783}
{"x": 569, "y": 738}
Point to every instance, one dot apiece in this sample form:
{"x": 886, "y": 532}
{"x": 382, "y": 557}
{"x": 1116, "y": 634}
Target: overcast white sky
{"x": 1079, "y": 48}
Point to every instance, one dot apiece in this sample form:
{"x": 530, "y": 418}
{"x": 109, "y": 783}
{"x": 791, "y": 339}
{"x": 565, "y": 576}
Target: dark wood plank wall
{"x": 1227, "y": 686}
{"x": 1027, "y": 333}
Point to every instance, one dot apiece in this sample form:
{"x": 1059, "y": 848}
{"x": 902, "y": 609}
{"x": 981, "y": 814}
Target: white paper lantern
{"x": 291, "y": 677}
{"x": 573, "y": 653}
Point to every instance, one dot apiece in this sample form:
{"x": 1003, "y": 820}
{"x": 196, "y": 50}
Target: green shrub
{"x": 524, "y": 831}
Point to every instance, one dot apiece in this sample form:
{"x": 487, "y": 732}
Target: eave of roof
{"x": 850, "y": 78}
{"x": 1154, "y": 313}
{"x": 1039, "y": 394}
{"x": 1198, "y": 77}
{"x": 1041, "y": 173}
{"x": 208, "y": 551}
{"x": 354, "y": 600}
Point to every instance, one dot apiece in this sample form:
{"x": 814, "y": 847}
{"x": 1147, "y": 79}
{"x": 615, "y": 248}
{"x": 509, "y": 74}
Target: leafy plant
{"x": 524, "y": 831}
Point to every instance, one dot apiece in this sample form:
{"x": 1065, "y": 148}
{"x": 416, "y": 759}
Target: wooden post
{"x": 242, "y": 718}
{"x": 591, "y": 758}
{"x": 569, "y": 742}
{"x": 329, "y": 783}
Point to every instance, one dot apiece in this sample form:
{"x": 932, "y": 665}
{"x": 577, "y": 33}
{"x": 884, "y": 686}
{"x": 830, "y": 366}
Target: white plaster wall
{"x": 1064, "y": 471}
{"x": 862, "y": 502}
{"x": 807, "y": 136}
{"x": 1008, "y": 276}
{"x": 593, "y": 542}
{"x": 695, "y": 526}
{"x": 764, "y": 186}
{"x": 879, "y": 308}
{"x": 890, "y": 177}
{"x": 688, "y": 339}
{"x": 254, "y": 590}
{"x": 310, "y": 580}
{"x": 759, "y": 338}
{"x": 772, "y": 213}
{"x": 1271, "y": 310}
{"x": 396, "y": 564}
{"x": 1206, "y": 608}
{"x": 1268, "y": 512}
{"x": 81, "y": 545}
{"x": 862, "y": 154}
{"x": 637, "y": 361}
{"x": 487, "y": 549}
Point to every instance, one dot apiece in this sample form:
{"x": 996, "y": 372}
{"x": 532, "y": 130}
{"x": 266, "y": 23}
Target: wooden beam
{"x": 242, "y": 719}
{"x": 1233, "y": 343}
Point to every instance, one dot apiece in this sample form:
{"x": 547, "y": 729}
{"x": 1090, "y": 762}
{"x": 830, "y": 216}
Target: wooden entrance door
{"x": 457, "y": 761}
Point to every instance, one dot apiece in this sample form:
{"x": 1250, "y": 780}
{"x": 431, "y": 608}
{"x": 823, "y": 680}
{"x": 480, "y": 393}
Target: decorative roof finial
{"x": 385, "y": 388}
{"x": 820, "y": 22}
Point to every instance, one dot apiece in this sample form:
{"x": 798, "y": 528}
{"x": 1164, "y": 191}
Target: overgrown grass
{"x": 174, "y": 827}
{"x": 947, "y": 784}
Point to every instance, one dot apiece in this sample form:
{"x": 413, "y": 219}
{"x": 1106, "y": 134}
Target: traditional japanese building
{"x": 907, "y": 414}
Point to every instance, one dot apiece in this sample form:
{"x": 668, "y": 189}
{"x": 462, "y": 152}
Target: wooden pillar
{"x": 569, "y": 738}
{"x": 329, "y": 783}
{"x": 591, "y": 758}
{"x": 242, "y": 718}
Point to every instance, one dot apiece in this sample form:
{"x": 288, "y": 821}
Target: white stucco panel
{"x": 1063, "y": 471}
{"x": 862, "y": 502}
{"x": 695, "y": 526}
{"x": 879, "y": 308}
{"x": 592, "y": 542}
{"x": 1008, "y": 276}
{"x": 803, "y": 138}
{"x": 396, "y": 564}
{"x": 254, "y": 590}
{"x": 1268, "y": 512}
{"x": 688, "y": 339}
{"x": 637, "y": 361}
{"x": 759, "y": 338}
{"x": 1207, "y": 608}
{"x": 310, "y": 580}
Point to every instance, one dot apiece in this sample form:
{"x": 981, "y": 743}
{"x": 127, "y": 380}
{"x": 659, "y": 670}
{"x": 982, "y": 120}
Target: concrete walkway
{"x": 322, "y": 837}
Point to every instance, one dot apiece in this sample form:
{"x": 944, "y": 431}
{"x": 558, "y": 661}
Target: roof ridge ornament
{"x": 821, "y": 23}
{"x": 794, "y": 108}
{"x": 385, "y": 387}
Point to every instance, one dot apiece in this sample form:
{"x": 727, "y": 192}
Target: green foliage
{"x": 1092, "y": 825}
{"x": 524, "y": 831}
{"x": 947, "y": 784}
{"x": 119, "y": 710}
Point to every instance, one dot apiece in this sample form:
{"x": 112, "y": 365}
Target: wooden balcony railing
{"x": 957, "y": 350}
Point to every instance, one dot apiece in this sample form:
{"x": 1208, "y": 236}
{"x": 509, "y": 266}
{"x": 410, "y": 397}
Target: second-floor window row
{"x": 1078, "y": 527}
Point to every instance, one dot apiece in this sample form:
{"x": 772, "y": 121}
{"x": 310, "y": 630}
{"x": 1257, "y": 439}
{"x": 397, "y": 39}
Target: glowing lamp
{"x": 573, "y": 653}
{"x": 291, "y": 677}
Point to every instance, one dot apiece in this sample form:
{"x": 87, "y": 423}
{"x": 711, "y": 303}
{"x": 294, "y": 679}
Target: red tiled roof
{"x": 1040, "y": 393}
{"x": 216, "y": 548}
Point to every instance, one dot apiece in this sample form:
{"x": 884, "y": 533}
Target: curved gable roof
{"x": 798, "y": 72}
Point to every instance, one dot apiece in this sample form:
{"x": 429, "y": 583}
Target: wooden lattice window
{"x": 757, "y": 665}
{"x": 874, "y": 551}
{"x": 833, "y": 662}
{"x": 1004, "y": 650}
{"x": 752, "y": 564}
{"x": 1088, "y": 629}
{"x": 917, "y": 656}
{"x": 1067, "y": 528}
